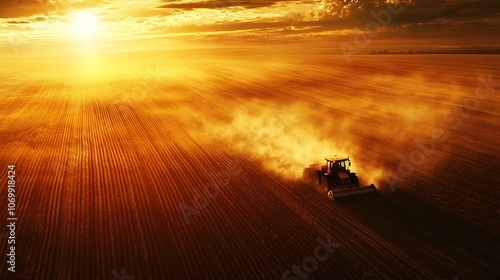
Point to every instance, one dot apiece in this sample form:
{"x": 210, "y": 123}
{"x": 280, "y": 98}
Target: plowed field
{"x": 187, "y": 164}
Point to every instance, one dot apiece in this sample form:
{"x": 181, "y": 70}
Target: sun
{"x": 84, "y": 25}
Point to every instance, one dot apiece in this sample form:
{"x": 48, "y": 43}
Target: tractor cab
{"x": 337, "y": 169}
{"x": 335, "y": 164}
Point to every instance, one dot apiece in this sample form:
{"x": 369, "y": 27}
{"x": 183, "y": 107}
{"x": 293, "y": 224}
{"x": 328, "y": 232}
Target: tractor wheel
{"x": 354, "y": 179}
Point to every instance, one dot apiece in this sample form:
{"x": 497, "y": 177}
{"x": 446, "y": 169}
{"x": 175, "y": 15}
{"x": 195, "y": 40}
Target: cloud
{"x": 25, "y": 8}
{"x": 340, "y": 14}
{"x": 18, "y": 22}
{"x": 415, "y": 10}
{"x": 216, "y": 4}
{"x": 448, "y": 11}
{"x": 417, "y": 16}
{"x": 274, "y": 18}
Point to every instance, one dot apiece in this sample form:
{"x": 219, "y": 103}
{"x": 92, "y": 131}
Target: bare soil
{"x": 110, "y": 151}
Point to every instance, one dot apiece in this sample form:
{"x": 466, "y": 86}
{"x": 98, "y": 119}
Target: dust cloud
{"x": 373, "y": 120}
{"x": 289, "y": 109}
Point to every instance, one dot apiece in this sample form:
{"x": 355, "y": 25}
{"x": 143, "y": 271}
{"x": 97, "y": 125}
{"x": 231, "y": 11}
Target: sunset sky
{"x": 171, "y": 23}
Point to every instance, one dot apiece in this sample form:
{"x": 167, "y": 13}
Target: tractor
{"x": 336, "y": 178}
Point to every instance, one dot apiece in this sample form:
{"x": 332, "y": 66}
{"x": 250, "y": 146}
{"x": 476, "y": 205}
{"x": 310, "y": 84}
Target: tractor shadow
{"x": 418, "y": 220}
